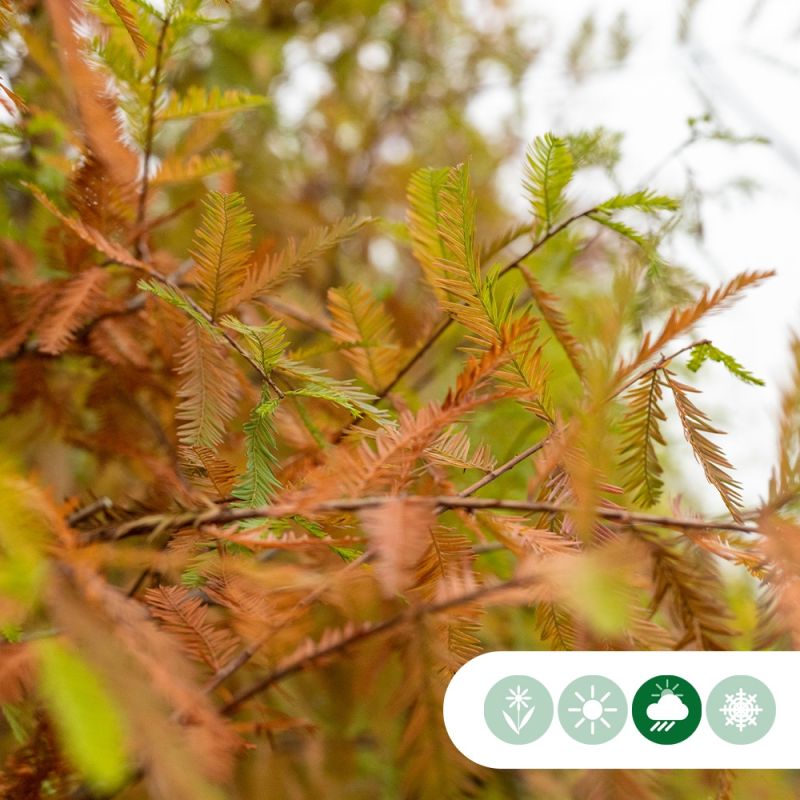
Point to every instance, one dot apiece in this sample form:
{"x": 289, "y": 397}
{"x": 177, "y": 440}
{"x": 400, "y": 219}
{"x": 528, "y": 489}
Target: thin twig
{"x": 662, "y": 362}
{"x": 138, "y": 247}
{"x": 239, "y": 660}
{"x": 502, "y": 469}
{"x": 101, "y": 504}
{"x": 368, "y": 631}
{"x": 284, "y": 309}
{"x": 443, "y": 325}
{"x": 447, "y": 321}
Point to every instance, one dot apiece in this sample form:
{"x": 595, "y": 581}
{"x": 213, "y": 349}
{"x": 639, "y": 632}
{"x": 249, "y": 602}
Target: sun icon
{"x": 592, "y": 710}
{"x": 666, "y": 689}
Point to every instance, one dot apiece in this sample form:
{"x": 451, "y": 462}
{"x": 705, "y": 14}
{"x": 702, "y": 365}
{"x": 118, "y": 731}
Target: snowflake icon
{"x": 741, "y": 709}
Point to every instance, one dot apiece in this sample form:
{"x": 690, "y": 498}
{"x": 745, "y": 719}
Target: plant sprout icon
{"x": 592, "y": 710}
{"x": 518, "y": 698}
{"x": 668, "y": 709}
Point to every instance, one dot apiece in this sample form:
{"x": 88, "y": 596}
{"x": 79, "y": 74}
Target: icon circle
{"x": 740, "y": 709}
{"x": 666, "y": 709}
{"x": 518, "y": 709}
{"x": 592, "y": 709}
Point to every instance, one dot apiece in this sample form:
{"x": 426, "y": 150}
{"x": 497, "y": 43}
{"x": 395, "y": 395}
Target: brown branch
{"x": 80, "y": 514}
{"x": 239, "y": 660}
{"x": 368, "y": 631}
{"x": 245, "y": 655}
{"x": 161, "y": 522}
{"x": 447, "y": 321}
{"x": 284, "y": 309}
{"x": 662, "y": 362}
{"x": 503, "y": 468}
{"x": 443, "y": 325}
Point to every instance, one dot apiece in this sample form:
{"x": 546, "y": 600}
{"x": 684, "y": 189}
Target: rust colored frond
{"x": 116, "y": 252}
{"x": 221, "y": 249}
{"x": 99, "y": 203}
{"x": 479, "y": 369}
{"x": 389, "y": 461}
{"x": 128, "y": 19}
{"x": 689, "y": 581}
{"x": 555, "y": 626}
{"x": 781, "y": 546}
{"x": 712, "y": 459}
{"x": 116, "y": 341}
{"x": 95, "y": 106}
{"x": 361, "y": 324}
{"x": 16, "y": 672}
{"x": 186, "y": 618}
{"x": 11, "y": 101}
{"x": 452, "y": 449}
{"x": 641, "y": 432}
{"x": 330, "y": 642}
{"x": 208, "y": 391}
{"x": 785, "y": 479}
{"x": 617, "y": 783}
{"x": 71, "y": 308}
{"x": 221, "y": 473}
{"x": 149, "y": 676}
{"x": 275, "y": 269}
{"x": 525, "y": 540}
{"x": 19, "y": 323}
{"x": 399, "y": 532}
{"x": 548, "y": 305}
{"x": 524, "y": 372}
{"x": 682, "y": 320}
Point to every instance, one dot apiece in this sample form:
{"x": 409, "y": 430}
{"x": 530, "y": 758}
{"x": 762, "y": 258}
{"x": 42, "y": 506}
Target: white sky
{"x": 744, "y": 57}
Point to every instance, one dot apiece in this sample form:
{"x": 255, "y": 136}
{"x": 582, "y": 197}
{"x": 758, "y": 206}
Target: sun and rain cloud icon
{"x": 668, "y": 709}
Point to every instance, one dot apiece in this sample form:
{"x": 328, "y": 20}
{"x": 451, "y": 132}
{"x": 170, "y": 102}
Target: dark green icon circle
{"x": 592, "y": 709}
{"x": 740, "y": 709}
{"x": 666, "y": 709}
{"x": 518, "y": 709}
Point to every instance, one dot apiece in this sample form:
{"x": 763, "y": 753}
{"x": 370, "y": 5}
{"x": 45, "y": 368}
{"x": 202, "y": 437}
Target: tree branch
{"x": 662, "y": 362}
{"x": 162, "y": 522}
{"x": 447, "y": 321}
{"x": 368, "y": 631}
{"x": 241, "y": 658}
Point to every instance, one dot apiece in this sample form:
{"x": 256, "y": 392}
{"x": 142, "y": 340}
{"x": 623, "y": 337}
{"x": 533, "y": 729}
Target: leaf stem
{"x": 139, "y": 245}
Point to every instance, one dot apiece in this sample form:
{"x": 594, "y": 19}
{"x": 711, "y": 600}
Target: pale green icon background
{"x": 592, "y": 709}
{"x": 518, "y": 709}
{"x": 740, "y": 709}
